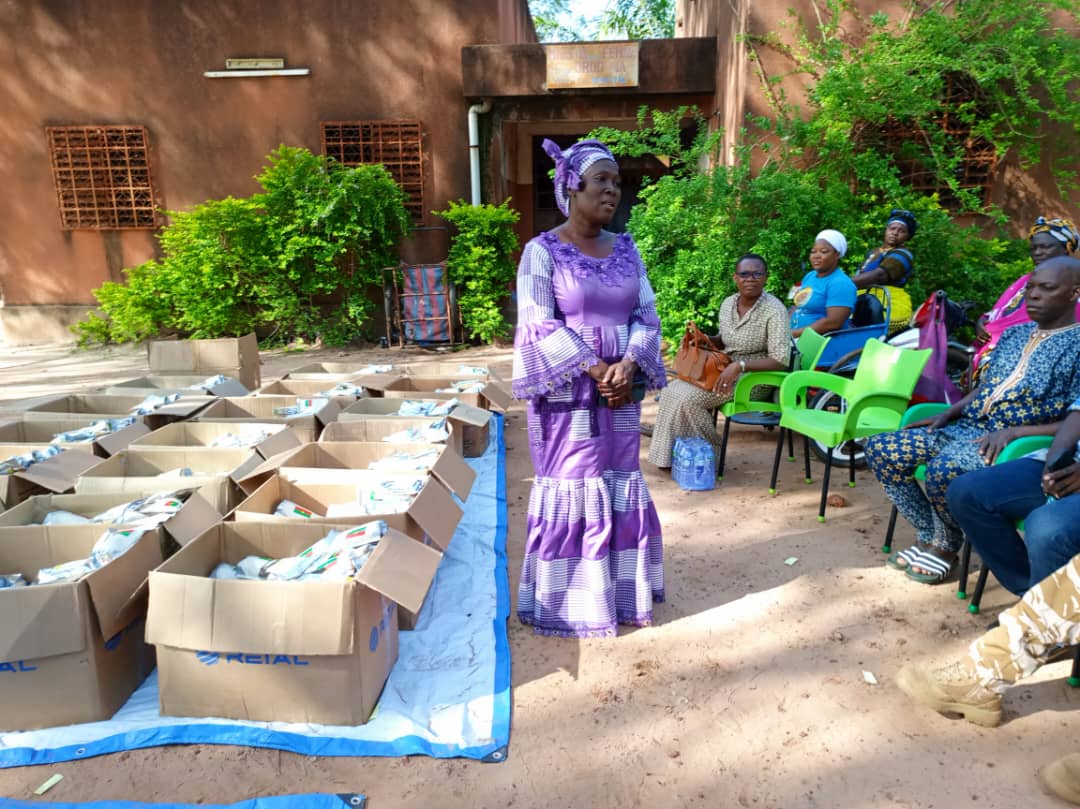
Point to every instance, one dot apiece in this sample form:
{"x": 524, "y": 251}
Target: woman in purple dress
{"x": 587, "y": 345}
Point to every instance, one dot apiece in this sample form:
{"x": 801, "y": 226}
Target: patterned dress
{"x": 686, "y": 409}
{"x": 593, "y": 554}
{"x": 1031, "y": 378}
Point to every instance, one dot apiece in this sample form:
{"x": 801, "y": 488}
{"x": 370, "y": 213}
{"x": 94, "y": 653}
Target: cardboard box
{"x": 336, "y": 371}
{"x": 469, "y": 426}
{"x": 184, "y": 384}
{"x": 138, "y": 473}
{"x": 305, "y": 651}
{"x": 431, "y": 517}
{"x": 449, "y": 468}
{"x": 203, "y": 433}
{"x": 93, "y": 406}
{"x": 261, "y": 408}
{"x": 307, "y": 388}
{"x": 232, "y": 356}
{"x": 36, "y": 434}
{"x": 447, "y": 368}
{"x": 493, "y": 396}
{"x": 202, "y": 510}
{"x": 71, "y": 652}
{"x": 53, "y": 475}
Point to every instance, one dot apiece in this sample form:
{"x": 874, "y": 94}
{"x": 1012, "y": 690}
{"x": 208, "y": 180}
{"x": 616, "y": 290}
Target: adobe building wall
{"x": 87, "y": 62}
{"x": 741, "y": 93}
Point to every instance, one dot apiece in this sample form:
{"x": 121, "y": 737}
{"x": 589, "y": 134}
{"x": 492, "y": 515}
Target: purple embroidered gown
{"x": 593, "y": 555}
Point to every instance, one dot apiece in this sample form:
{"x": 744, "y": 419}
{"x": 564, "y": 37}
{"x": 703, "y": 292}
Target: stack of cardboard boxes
{"x": 295, "y": 651}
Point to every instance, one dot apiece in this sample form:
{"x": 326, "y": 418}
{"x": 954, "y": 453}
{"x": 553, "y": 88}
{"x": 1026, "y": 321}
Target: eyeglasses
{"x": 746, "y": 275}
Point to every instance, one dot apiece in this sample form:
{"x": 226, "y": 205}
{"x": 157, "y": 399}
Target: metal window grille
{"x": 102, "y": 177}
{"x": 395, "y": 144}
{"x": 978, "y": 158}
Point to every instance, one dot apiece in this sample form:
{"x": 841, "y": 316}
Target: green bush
{"x": 481, "y": 264}
{"x": 297, "y": 260}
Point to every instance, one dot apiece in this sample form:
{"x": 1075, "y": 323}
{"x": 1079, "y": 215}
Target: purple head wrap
{"x": 571, "y": 164}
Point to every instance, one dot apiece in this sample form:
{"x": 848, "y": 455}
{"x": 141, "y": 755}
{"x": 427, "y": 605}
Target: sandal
{"x": 940, "y": 569}
{"x": 901, "y": 560}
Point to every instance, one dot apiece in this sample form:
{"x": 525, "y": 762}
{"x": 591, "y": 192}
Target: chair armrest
{"x": 798, "y": 381}
{"x": 924, "y": 410}
{"x": 1023, "y": 446}
{"x": 751, "y": 380}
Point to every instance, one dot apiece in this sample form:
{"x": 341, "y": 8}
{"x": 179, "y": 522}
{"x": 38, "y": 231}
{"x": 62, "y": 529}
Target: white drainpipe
{"x": 474, "y": 148}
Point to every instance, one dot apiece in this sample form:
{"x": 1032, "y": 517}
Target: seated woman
{"x": 1049, "y": 238}
{"x": 1030, "y": 380}
{"x": 754, "y": 333}
{"x": 825, "y": 296}
{"x": 890, "y": 266}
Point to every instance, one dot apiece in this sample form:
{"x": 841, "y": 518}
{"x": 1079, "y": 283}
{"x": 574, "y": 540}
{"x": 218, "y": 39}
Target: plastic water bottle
{"x": 694, "y": 464}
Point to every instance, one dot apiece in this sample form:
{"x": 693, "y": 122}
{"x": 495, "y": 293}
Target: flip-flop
{"x": 906, "y": 556}
{"x": 940, "y": 570}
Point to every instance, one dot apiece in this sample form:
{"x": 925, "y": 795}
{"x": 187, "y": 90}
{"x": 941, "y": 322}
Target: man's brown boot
{"x": 1062, "y": 777}
{"x": 952, "y": 689}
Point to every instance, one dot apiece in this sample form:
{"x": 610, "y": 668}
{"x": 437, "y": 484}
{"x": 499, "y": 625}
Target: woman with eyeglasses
{"x": 754, "y": 333}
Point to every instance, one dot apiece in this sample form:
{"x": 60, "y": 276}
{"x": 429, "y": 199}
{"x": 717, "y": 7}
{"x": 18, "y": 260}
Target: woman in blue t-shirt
{"x": 826, "y": 296}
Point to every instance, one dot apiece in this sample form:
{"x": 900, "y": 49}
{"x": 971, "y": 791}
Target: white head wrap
{"x": 834, "y": 238}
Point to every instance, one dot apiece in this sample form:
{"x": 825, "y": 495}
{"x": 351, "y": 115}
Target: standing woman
{"x": 825, "y": 296}
{"x": 891, "y": 265}
{"x": 587, "y": 345}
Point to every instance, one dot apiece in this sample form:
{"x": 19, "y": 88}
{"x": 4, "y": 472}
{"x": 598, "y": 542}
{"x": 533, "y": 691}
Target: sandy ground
{"x": 748, "y": 692}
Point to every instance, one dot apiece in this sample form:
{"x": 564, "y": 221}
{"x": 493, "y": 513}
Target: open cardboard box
{"x": 448, "y": 468}
{"x": 446, "y": 368}
{"x": 261, "y": 408}
{"x": 266, "y": 438}
{"x": 53, "y": 475}
{"x": 146, "y": 472}
{"x": 337, "y": 371}
{"x": 310, "y": 388}
{"x": 71, "y": 652}
{"x": 36, "y": 434}
{"x": 493, "y": 396}
{"x": 184, "y": 384}
{"x": 280, "y": 651}
{"x": 469, "y": 426}
{"x": 232, "y": 356}
{"x": 203, "y": 509}
{"x": 93, "y": 406}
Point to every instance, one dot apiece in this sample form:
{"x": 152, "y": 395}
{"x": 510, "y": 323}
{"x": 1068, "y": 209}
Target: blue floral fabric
{"x": 1033, "y": 377}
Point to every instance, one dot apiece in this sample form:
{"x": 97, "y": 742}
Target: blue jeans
{"x": 987, "y": 503}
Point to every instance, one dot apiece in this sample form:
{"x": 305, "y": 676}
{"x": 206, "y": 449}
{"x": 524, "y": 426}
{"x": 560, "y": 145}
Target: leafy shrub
{"x": 297, "y": 259}
{"x": 481, "y": 264}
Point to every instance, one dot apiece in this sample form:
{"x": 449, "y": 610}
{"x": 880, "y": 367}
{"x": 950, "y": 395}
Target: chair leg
{"x": 790, "y": 447}
{"x": 965, "y": 566}
{"x": 980, "y": 585}
{"x": 1074, "y": 677}
{"x": 806, "y": 458}
{"x": 723, "y": 450}
{"x": 851, "y": 464}
{"x": 776, "y": 460}
{"x": 825, "y": 485}
{"x": 887, "y": 547}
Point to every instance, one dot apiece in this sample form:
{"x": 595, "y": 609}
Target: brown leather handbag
{"x": 698, "y": 361}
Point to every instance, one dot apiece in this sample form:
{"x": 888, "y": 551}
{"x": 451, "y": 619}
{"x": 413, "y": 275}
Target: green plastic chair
{"x": 874, "y": 402}
{"x": 744, "y": 410}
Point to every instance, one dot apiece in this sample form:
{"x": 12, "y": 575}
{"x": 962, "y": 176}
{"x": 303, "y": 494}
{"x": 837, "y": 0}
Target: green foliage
{"x": 638, "y": 19}
{"x": 692, "y": 226}
{"x": 554, "y": 21}
{"x": 298, "y": 259}
{"x": 665, "y": 134}
{"x": 481, "y": 264}
{"x": 1016, "y": 62}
